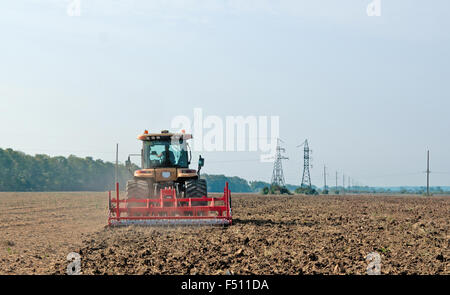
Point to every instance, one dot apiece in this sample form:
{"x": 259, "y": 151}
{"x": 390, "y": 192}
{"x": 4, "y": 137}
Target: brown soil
{"x": 39, "y": 229}
{"x": 270, "y": 235}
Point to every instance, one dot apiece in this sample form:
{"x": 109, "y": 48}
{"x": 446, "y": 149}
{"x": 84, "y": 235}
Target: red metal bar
{"x": 168, "y": 217}
{"x": 174, "y": 195}
{"x": 172, "y": 208}
{"x": 228, "y": 202}
{"x": 185, "y": 200}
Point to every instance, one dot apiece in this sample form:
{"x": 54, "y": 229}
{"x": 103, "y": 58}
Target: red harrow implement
{"x": 170, "y": 210}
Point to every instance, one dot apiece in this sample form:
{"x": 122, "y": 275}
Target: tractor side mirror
{"x": 128, "y": 165}
{"x": 201, "y": 163}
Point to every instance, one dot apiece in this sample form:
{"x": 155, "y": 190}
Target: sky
{"x": 370, "y": 93}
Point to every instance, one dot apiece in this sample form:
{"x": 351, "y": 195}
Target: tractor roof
{"x": 163, "y": 134}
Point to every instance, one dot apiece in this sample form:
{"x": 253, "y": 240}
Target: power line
{"x": 235, "y": 161}
{"x": 65, "y": 151}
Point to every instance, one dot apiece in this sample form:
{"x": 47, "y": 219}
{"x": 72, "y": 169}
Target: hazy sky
{"x": 371, "y": 94}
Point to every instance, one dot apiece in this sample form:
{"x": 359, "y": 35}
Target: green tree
{"x": 21, "y": 172}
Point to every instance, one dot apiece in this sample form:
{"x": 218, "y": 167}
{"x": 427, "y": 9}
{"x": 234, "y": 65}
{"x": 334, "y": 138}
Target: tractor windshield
{"x": 165, "y": 153}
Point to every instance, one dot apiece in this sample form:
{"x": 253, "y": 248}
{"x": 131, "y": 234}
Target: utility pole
{"x": 116, "y": 172}
{"x": 336, "y": 181}
{"x": 324, "y": 177}
{"x": 277, "y": 174}
{"x": 343, "y": 183}
{"x": 428, "y": 173}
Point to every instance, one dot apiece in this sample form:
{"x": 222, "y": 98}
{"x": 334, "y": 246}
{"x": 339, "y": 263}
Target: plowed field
{"x": 270, "y": 235}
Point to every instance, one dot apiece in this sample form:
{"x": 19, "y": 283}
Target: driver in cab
{"x": 170, "y": 160}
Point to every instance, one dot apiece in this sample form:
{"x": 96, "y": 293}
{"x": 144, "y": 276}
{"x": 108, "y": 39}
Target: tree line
{"x": 26, "y": 173}
{"x": 22, "y": 172}
{"x": 216, "y": 183}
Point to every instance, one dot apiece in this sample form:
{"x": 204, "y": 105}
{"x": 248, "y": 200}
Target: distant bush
{"x": 257, "y": 186}
{"x": 275, "y": 190}
{"x": 306, "y": 190}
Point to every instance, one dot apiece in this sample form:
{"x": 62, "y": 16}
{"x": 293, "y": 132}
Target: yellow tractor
{"x": 164, "y": 190}
{"x": 165, "y": 159}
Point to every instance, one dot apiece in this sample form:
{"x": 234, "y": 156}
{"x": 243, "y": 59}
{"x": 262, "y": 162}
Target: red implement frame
{"x": 168, "y": 209}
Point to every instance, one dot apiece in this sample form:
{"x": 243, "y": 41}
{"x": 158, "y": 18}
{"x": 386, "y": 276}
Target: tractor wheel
{"x": 137, "y": 189}
{"x": 196, "y": 189}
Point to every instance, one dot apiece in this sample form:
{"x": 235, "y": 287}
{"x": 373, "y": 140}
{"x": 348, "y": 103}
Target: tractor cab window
{"x": 165, "y": 153}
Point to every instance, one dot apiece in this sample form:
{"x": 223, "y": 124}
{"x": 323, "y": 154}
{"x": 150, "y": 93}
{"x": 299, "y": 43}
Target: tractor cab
{"x": 165, "y": 151}
{"x": 165, "y": 159}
